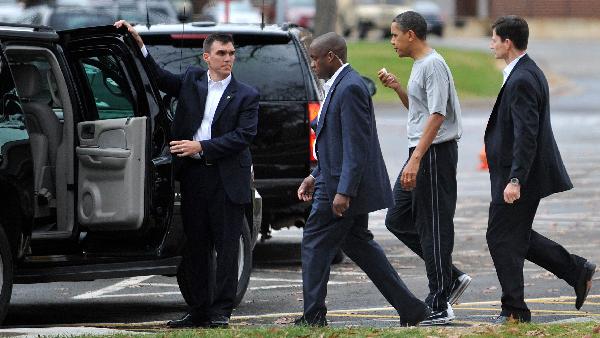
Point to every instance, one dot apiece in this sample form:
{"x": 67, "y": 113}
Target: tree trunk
{"x": 325, "y": 16}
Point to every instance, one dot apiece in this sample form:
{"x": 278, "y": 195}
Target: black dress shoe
{"x": 219, "y": 322}
{"x": 186, "y": 322}
{"x": 414, "y": 322}
{"x": 320, "y": 321}
{"x": 502, "y": 319}
{"x": 584, "y": 283}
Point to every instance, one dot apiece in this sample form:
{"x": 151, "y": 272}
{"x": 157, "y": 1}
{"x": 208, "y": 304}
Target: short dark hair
{"x": 514, "y": 28}
{"x": 221, "y": 37}
{"x": 412, "y": 21}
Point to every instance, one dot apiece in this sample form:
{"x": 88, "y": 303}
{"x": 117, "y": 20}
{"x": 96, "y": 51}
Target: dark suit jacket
{"x": 518, "y": 139}
{"x": 233, "y": 128}
{"x": 347, "y": 145}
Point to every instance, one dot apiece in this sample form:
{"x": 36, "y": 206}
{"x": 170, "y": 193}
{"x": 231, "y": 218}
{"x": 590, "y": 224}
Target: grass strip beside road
{"x": 587, "y": 329}
{"x": 475, "y": 73}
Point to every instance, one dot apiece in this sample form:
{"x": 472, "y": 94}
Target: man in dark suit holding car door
{"x": 525, "y": 166}
{"x": 215, "y": 122}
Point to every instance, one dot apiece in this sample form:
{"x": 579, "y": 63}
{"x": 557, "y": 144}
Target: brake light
{"x": 313, "y": 114}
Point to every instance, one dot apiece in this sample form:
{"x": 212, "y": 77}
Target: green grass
{"x": 475, "y": 73}
{"x": 588, "y": 329}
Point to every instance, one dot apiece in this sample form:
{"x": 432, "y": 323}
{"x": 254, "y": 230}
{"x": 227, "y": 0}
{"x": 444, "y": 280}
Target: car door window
{"x": 109, "y": 85}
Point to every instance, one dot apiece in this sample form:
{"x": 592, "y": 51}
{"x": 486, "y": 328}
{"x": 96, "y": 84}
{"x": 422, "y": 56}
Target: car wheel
{"x": 244, "y": 262}
{"x": 6, "y": 274}
{"x": 363, "y": 30}
{"x": 244, "y": 269}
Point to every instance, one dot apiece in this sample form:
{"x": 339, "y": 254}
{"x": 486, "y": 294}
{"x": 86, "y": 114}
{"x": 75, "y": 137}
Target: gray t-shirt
{"x": 431, "y": 90}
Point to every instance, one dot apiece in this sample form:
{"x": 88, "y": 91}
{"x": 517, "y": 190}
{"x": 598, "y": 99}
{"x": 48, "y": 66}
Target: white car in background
{"x": 240, "y": 11}
{"x": 10, "y": 10}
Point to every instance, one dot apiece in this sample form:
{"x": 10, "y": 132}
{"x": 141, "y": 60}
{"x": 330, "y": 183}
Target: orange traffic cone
{"x": 483, "y": 165}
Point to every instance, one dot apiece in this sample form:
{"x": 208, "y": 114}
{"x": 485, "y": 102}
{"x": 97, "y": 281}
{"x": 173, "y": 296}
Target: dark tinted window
{"x": 72, "y": 19}
{"x": 272, "y": 67}
{"x": 12, "y": 121}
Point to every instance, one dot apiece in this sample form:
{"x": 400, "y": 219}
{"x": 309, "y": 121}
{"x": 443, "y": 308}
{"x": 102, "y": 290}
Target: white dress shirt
{"x": 327, "y": 86}
{"x": 215, "y": 91}
{"x": 509, "y": 68}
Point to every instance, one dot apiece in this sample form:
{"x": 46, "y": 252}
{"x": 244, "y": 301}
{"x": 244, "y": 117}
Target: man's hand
{"x": 408, "y": 180}
{"x": 306, "y": 189}
{"x": 512, "y": 192}
{"x": 134, "y": 33}
{"x": 341, "y": 203}
{"x": 185, "y": 147}
{"x": 389, "y": 80}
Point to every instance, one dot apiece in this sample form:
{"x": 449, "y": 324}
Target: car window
{"x": 12, "y": 120}
{"x": 109, "y": 86}
{"x": 70, "y": 20}
{"x": 273, "y": 68}
{"x": 48, "y": 92}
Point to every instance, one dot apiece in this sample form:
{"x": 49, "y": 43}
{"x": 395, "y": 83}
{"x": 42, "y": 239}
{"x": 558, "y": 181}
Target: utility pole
{"x": 325, "y": 17}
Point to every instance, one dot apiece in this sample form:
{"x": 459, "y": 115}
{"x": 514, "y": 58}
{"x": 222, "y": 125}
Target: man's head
{"x": 327, "y": 52}
{"x": 510, "y": 35}
{"x": 219, "y": 54}
{"x": 409, "y": 29}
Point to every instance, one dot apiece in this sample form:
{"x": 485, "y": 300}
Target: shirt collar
{"x": 225, "y": 82}
{"x": 330, "y": 82}
{"x": 509, "y": 68}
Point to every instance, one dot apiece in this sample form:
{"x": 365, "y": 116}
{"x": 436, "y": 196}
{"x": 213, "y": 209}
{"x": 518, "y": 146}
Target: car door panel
{"x": 110, "y": 184}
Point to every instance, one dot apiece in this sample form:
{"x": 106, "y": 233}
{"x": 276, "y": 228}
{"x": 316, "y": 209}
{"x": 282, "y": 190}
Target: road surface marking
{"x": 113, "y": 288}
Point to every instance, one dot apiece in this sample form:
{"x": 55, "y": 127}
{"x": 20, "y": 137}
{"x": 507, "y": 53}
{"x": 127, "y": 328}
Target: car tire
{"x": 363, "y": 30}
{"x": 244, "y": 269}
{"x": 6, "y": 274}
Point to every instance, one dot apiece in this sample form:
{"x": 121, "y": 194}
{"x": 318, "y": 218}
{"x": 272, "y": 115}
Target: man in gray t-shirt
{"x": 425, "y": 191}
{"x": 431, "y": 90}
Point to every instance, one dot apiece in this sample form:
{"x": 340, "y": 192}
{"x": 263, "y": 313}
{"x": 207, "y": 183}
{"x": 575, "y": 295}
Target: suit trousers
{"x": 212, "y": 224}
{"x": 323, "y": 235}
{"x": 423, "y": 219}
{"x": 511, "y": 240}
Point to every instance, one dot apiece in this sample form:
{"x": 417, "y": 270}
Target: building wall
{"x": 546, "y": 8}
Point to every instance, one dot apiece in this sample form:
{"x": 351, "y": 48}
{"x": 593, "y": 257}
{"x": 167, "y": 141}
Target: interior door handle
{"x": 88, "y": 131}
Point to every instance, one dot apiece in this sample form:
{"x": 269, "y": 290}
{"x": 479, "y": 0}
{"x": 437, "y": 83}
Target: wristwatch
{"x": 514, "y": 181}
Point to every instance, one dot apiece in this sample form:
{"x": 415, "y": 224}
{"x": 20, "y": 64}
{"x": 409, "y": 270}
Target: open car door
{"x": 114, "y": 151}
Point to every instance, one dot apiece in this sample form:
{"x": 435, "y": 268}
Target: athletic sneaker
{"x": 458, "y": 287}
{"x": 443, "y": 317}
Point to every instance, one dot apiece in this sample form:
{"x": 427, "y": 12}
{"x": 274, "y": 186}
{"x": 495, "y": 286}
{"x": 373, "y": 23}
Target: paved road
{"x": 274, "y": 295}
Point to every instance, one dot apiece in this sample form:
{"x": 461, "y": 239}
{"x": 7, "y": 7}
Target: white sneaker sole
{"x": 436, "y": 322}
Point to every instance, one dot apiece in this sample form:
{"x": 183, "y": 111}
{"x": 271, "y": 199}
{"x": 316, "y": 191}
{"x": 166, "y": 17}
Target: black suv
{"x": 86, "y": 188}
{"x": 273, "y": 59}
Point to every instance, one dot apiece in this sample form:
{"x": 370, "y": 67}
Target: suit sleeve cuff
{"x": 144, "y": 51}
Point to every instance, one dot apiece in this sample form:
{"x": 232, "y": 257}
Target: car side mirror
{"x": 370, "y": 85}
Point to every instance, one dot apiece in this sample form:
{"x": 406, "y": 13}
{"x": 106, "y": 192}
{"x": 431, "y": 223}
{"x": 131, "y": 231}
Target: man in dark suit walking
{"x": 350, "y": 181}
{"x": 215, "y": 122}
{"x": 525, "y": 166}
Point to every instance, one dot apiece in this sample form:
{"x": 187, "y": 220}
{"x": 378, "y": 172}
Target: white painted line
{"x": 144, "y": 294}
{"x": 258, "y": 279}
{"x": 113, "y": 288}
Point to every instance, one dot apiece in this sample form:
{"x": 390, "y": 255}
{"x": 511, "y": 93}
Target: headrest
{"x": 27, "y": 79}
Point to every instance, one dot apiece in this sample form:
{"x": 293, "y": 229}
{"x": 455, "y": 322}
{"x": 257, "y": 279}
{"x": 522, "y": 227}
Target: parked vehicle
{"x": 433, "y": 15}
{"x": 274, "y": 60}
{"x": 66, "y": 17}
{"x": 86, "y": 184}
{"x": 10, "y": 10}
{"x": 367, "y": 15}
{"x": 239, "y": 11}
{"x": 300, "y": 12}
